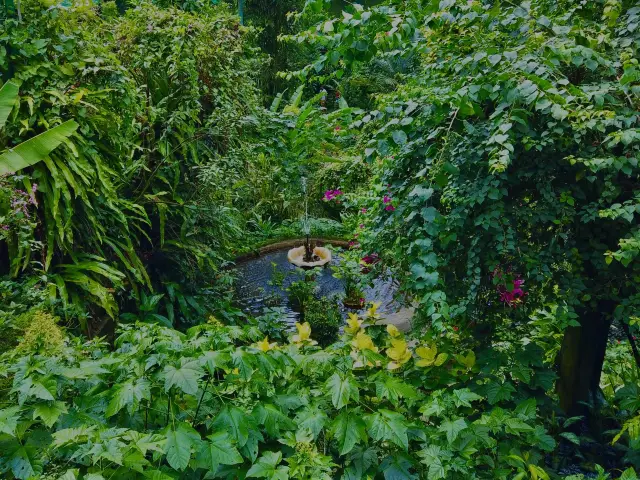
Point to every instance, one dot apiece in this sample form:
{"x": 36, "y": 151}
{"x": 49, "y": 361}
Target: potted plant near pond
{"x": 349, "y": 270}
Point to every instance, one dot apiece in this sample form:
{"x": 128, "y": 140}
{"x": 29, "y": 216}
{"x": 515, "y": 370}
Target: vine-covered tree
{"x": 511, "y": 161}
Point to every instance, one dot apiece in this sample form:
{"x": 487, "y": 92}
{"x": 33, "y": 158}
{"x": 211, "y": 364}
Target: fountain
{"x": 308, "y": 255}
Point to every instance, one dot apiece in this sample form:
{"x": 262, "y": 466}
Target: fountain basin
{"x": 296, "y": 257}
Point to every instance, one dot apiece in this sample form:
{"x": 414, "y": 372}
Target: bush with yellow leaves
{"x": 42, "y": 334}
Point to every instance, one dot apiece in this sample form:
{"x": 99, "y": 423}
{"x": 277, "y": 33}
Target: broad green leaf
{"x": 348, "y": 430}
{"x": 497, "y": 392}
{"x": 9, "y": 420}
{"x": 385, "y": 425}
{"x": 543, "y": 439}
{"x": 49, "y": 412}
{"x": 236, "y": 422}
{"x": 24, "y": 461}
{"x": 399, "y": 137}
{"x": 464, "y": 397}
{"x": 629, "y": 474}
{"x": 267, "y": 467}
{"x": 146, "y": 442}
{"x": 68, "y": 436}
{"x": 180, "y": 440}
{"x": 342, "y": 390}
{"x": 85, "y": 370}
{"x": 397, "y": 467}
{"x": 433, "y": 456}
{"x": 71, "y": 474}
{"x": 217, "y": 451}
{"x": 8, "y": 97}
{"x": 273, "y": 419}
{"x": 128, "y": 394}
{"x": 452, "y": 428}
{"x": 35, "y": 149}
{"x": 361, "y": 460}
{"x": 516, "y": 426}
{"x": 311, "y": 419}
{"x": 216, "y": 360}
{"x": 243, "y": 361}
{"x": 527, "y": 408}
{"x": 185, "y": 378}
{"x": 393, "y": 388}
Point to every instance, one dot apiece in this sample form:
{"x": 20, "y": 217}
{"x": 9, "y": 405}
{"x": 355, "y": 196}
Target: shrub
{"x": 324, "y": 317}
{"x": 41, "y": 333}
{"x": 220, "y": 401}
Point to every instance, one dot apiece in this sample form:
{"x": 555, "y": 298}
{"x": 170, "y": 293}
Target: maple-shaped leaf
{"x": 185, "y": 378}
{"x": 267, "y": 467}
{"x": 49, "y": 412}
{"x": 464, "y": 397}
{"x": 273, "y": 419}
{"x": 385, "y": 425}
{"x": 311, "y": 419}
{"x": 217, "y": 451}
{"x": 181, "y": 438}
{"x": 237, "y": 422}
{"x": 342, "y": 389}
{"x": 497, "y": 392}
{"x": 128, "y": 394}
{"x": 452, "y": 428}
{"x": 348, "y": 430}
{"x": 9, "y": 420}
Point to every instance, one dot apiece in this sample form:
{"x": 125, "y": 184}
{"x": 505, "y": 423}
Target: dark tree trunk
{"x": 580, "y": 361}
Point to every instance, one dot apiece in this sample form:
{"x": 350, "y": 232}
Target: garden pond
{"x": 262, "y": 283}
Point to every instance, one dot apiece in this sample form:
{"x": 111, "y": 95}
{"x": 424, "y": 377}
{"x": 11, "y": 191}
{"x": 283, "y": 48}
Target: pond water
{"x": 255, "y": 292}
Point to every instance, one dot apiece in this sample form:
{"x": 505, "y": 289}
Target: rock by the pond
{"x": 401, "y": 319}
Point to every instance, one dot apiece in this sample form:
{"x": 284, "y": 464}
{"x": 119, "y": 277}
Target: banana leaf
{"x": 8, "y": 96}
{"x": 35, "y": 149}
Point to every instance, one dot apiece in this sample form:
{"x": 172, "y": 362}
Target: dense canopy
{"x": 472, "y": 166}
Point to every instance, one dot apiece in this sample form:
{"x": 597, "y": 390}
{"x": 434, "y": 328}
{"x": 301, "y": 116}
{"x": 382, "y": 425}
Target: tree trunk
{"x": 580, "y": 361}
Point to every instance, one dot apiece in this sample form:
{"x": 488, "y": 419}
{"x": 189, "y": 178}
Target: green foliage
{"x": 325, "y": 318}
{"x": 213, "y": 403}
{"x": 149, "y": 111}
{"x": 41, "y": 333}
{"x": 504, "y": 170}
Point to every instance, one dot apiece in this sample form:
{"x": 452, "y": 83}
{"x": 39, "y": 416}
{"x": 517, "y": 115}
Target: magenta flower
{"x": 331, "y": 195}
{"x": 389, "y": 208}
{"x": 361, "y": 225}
{"x": 515, "y": 296}
{"x": 363, "y": 210}
{"x": 386, "y": 199}
{"x": 371, "y": 259}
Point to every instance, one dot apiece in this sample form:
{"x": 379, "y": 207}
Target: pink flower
{"x": 337, "y": 128}
{"x": 389, "y": 208}
{"x": 361, "y": 225}
{"x": 515, "y": 296}
{"x": 386, "y": 199}
{"x": 363, "y": 210}
{"x": 370, "y": 259}
{"x": 331, "y": 194}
